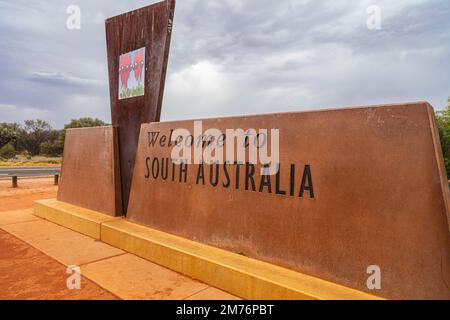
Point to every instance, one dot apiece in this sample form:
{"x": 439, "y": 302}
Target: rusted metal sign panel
{"x": 90, "y": 175}
{"x": 357, "y": 188}
{"x": 138, "y": 48}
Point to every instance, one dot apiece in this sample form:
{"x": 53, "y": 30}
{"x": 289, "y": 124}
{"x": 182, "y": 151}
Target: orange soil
{"x": 28, "y": 191}
{"x": 25, "y": 272}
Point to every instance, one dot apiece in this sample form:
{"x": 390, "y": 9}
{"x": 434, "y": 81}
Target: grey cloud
{"x": 231, "y": 57}
{"x": 60, "y": 79}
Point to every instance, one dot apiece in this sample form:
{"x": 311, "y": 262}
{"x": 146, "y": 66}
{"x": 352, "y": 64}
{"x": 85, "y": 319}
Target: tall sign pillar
{"x": 138, "y": 48}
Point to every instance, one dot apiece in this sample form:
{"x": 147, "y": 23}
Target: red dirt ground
{"x": 25, "y": 272}
{"x": 28, "y": 191}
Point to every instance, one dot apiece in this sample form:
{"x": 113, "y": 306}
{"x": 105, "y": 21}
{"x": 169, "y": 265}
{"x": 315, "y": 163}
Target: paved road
{"x": 23, "y": 172}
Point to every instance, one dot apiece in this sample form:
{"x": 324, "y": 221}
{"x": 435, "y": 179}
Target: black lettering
{"x": 190, "y": 143}
{"x": 292, "y": 181}
{"x": 214, "y": 182}
{"x": 227, "y": 176}
{"x": 147, "y": 165}
{"x": 238, "y": 167}
{"x": 265, "y": 182}
{"x": 178, "y": 141}
{"x": 277, "y": 182}
{"x": 221, "y": 140}
{"x": 258, "y": 143}
{"x": 211, "y": 140}
{"x": 183, "y": 172}
{"x": 170, "y": 138}
{"x": 207, "y": 140}
{"x": 246, "y": 141}
{"x": 201, "y": 174}
{"x": 307, "y": 184}
{"x": 199, "y": 141}
{"x": 173, "y": 171}
{"x": 162, "y": 141}
{"x": 164, "y": 173}
{"x": 152, "y": 138}
{"x": 249, "y": 175}
{"x": 155, "y": 175}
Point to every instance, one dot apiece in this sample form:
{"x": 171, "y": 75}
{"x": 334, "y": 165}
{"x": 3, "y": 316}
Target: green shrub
{"x": 7, "y": 151}
{"x": 443, "y": 124}
{"x": 52, "y": 148}
{"x": 27, "y": 155}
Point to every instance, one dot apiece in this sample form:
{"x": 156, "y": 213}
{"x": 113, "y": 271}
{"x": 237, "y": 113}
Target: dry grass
{"x": 37, "y": 161}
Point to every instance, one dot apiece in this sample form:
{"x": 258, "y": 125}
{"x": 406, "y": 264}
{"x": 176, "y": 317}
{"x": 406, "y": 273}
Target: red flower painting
{"x": 138, "y": 64}
{"x": 125, "y": 69}
{"x": 133, "y": 86}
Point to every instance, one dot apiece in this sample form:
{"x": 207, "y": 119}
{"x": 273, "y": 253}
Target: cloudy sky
{"x": 230, "y": 57}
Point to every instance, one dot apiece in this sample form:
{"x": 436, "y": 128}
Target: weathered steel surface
{"x": 380, "y": 197}
{"x": 90, "y": 176}
{"x": 149, "y": 27}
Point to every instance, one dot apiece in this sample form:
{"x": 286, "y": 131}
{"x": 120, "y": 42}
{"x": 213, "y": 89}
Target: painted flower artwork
{"x": 132, "y": 74}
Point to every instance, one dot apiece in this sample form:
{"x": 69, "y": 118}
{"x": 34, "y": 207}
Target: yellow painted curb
{"x": 242, "y": 276}
{"x": 236, "y": 274}
{"x": 82, "y": 220}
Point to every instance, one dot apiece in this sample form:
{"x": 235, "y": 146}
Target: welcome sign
{"x": 217, "y": 166}
{"x": 354, "y": 188}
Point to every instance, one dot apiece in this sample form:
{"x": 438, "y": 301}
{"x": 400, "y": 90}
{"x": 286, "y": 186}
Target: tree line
{"x": 443, "y": 124}
{"x": 37, "y": 137}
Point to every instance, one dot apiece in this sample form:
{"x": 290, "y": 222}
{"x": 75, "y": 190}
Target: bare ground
{"x": 26, "y": 272}
{"x": 28, "y": 191}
